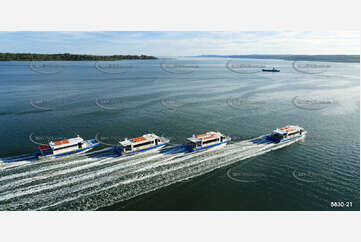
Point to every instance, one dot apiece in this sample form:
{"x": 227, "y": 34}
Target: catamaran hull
{"x": 71, "y": 153}
{"x": 219, "y": 145}
{"x": 293, "y": 139}
{"x": 151, "y": 149}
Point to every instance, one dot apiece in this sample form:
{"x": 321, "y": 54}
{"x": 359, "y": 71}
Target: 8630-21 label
{"x": 341, "y": 204}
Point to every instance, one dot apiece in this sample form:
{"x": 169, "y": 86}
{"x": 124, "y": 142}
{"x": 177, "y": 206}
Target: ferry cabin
{"x": 287, "y": 133}
{"x": 64, "y": 147}
{"x": 143, "y": 143}
{"x": 207, "y": 140}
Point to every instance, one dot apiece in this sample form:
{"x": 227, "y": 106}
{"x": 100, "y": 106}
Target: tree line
{"x": 325, "y": 58}
{"x": 69, "y": 57}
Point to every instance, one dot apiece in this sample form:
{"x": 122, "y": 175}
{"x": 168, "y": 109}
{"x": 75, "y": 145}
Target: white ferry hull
{"x": 286, "y": 143}
{"x": 90, "y": 145}
{"x": 148, "y": 150}
{"x": 215, "y": 146}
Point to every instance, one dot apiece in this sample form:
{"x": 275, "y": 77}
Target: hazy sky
{"x": 168, "y": 43}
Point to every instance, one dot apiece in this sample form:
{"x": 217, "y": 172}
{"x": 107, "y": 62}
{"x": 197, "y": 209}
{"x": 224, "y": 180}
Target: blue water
{"x": 177, "y": 98}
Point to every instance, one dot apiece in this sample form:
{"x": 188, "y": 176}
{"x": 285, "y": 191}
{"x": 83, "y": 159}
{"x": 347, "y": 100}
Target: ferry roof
{"x": 287, "y": 129}
{"x": 203, "y": 137}
{"x": 64, "y": 143}
{"x": 139, "y": 140}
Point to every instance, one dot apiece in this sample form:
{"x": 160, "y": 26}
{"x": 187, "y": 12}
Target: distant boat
{"x": 271, "y": 70}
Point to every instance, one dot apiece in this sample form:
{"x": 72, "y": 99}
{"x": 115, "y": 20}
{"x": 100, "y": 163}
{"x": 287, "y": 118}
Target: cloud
{"x": 181, "y": 43}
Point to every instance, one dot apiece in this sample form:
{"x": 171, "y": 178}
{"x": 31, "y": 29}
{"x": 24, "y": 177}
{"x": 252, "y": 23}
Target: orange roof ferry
{"x": 143, "y": 143}
{"x": 66, "y": 147}
{"x": 207, "y": 140}
{"x": 287, "y": 134}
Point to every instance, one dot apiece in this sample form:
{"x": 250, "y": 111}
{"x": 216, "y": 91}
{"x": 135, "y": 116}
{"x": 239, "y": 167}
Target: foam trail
{"x": 71, "y": 170}
{"x": 111, "y": 170}
{"x": 240, "y": 157}
{"x": 80, "y": 181}
{"x": 53, "y": 167}
{"x": 18, "y": 158}
{"x": 46, "y": 168}
{"x": 41, "y": 187}
{"x": 20, "y": 161}
{"x": 163, "y": 163}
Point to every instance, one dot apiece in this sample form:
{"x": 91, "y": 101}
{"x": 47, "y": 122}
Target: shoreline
{"x": 70, "y": 57}
{"x": 317, "y": 58}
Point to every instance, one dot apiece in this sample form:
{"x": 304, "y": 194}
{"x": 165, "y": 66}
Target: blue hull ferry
{"x": 66, "y": 147}
{"x": 206, "y": 141}
{"x": 287, "y": 134}
{"x": 147, "y": 142}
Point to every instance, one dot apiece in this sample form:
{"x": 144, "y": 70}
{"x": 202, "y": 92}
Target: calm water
{"x": 177, "y": 99}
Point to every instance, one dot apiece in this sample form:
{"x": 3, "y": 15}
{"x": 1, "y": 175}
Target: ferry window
{"x": 277, "y": 136}
{"x": 66, "y": 147}
{"x": 191, "y": 144}
{"x": 147, "y": 143}
{"x": 127, "y": 148}
{"x": 210, "y": 141}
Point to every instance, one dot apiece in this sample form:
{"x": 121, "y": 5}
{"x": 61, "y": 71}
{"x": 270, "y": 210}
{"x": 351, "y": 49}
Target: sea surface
{"x": 177, "y": 98}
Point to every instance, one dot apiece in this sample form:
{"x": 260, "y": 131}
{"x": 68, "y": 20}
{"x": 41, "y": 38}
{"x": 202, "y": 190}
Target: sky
{"x": 181, "y": 43}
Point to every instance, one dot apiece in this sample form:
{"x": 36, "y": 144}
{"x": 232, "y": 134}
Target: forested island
{"x": 326, "y": 58}
{"x": 69, "y": 57}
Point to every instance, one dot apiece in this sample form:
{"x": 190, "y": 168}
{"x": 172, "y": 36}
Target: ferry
{"x": 66, "y": 147}
{"x": 287, "y": 134}
{"x": 143, "y": 143}
{"x": 207, "y": 140}
{"x": 271, "y": 70}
